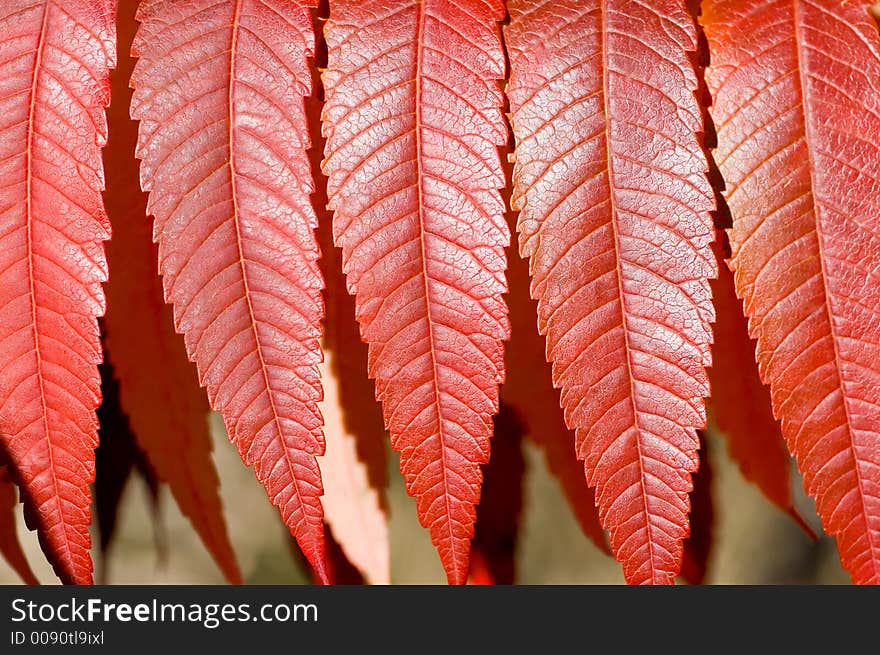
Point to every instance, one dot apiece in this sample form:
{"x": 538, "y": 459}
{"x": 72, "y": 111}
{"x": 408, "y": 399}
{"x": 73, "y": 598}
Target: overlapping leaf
{"x": 610, "y": 178}
{"x": 54, "y": 65}
{"x": 413, "y": 120}
{"x": 796, "y": 88}
{"x": 116, "y": 458}
{"x": 219, "y": 90}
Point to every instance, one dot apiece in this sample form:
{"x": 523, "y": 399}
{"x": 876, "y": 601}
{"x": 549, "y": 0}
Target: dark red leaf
{"x": 529, "y": 391}
{"x": 740, "y": 402}
{"x": 498, "y": 516}
{"x": 116, "y": 458}
{"x": 148, "y": 355}
{"x": 698, "y": 546}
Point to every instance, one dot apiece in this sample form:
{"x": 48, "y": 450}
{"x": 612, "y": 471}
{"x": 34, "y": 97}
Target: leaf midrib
{"x": 236, "y": 214}
{"x": 29, "y": 164}
{"x": 606, "y": 103}
{"x": 423, "y": 250}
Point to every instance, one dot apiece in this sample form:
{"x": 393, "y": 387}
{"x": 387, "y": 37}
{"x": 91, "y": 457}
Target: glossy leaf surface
{"x": 54, "y": 86}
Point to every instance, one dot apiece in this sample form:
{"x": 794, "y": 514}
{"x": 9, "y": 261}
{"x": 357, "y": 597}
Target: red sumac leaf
{"x": 413, "y": 120}
{"x": 796, "y": 89}
{"x": 148, "y": 356}
{"x": 54, "y": 86}
{"x": 219, "y": 90}
{"x": 10, "y": 547}
{"x": 115, "y": 458}
{"x": 342, "y": 570}
{"x": 615, "y": 215}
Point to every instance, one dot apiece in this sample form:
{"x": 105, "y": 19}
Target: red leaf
{"x": 529, "y": 391}
{"x": 610, "y": 178}
{"x": 698, "y": 545}
{"x": 10, "y": 548}
{"x": 796, "y": 89}
{"x": 54, "y": 65}
{"x": 413, "y": 120}
{"x": 223, "y": 136}
{"x": 740, "y": 402}
{"x": 148, "y": 356}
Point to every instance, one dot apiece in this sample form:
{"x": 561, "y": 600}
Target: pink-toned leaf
{"x": 611, "y": 182}
{"x": 54, "y": 65}
{"x": 413, "y": 120}
{"x": 353, "y": 508}
{"x": 219, "y": 90}
{"x": 796, "y": 89}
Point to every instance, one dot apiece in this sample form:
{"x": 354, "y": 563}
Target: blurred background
{"x": 754, "y": 543}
